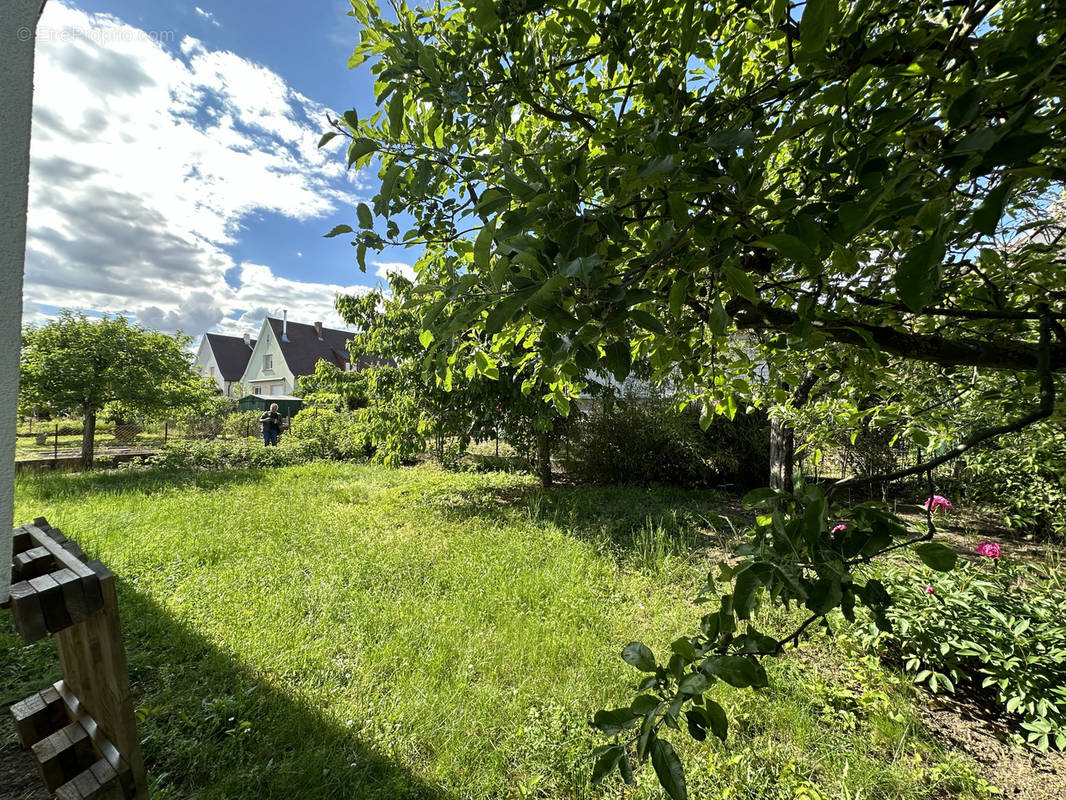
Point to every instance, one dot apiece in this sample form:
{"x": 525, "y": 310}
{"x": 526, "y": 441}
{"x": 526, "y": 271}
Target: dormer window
{"x": 268, "y": 362}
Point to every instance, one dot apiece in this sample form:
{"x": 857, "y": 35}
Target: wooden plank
{"x": 31, "y": 563}
{"x": 73, "y": 594}
{"x": 38, "y": 716}
{"x": 57, "y": 536}
{"x": 95, "y": 671}
{"x": 75, "y": 550}
{"x": 63, "y": 557}
{"x": 27, "y": 611}
{"x": 20, "y": 541}
{"x": 53, "y": 604}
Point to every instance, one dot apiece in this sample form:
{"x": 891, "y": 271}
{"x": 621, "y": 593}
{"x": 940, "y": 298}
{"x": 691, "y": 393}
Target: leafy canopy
{"x": 595, "y": 183}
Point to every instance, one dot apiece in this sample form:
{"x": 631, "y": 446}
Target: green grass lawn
{"x": 343, "y": 631}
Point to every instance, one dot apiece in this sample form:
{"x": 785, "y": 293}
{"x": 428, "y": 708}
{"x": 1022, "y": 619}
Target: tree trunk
{"x": 88, "y": 437}
{"x": 783, "y": 436}
{"x": 782, "y": 454}
{"x": 544, "y": 459}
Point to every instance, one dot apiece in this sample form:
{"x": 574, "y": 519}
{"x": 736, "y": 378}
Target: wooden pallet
{"x": 82, "y": 729}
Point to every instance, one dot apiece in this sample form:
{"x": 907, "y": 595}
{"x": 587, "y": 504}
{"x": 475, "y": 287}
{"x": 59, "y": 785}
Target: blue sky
{"x": 174, "y": 170}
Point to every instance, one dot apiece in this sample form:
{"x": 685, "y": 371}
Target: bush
{"x": 650, "y": 441}
{"x": 1025, "y": 479}
{"x": 242, "y": 425}
{"x": 996, "y": 629}
{"x": 224, "y": 454}
{"x": 330, "y": 434}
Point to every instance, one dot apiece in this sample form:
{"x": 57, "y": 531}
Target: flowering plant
{"x": 972, "y": 631}
{"x": 937, "y": 503}
{"x": 987, "y": 549}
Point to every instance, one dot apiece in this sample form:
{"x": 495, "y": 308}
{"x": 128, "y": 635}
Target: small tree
{"x": 77, "y": 365}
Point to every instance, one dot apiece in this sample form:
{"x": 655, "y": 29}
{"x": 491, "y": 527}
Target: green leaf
{"x": 425, "y": 338}
{"x": 366, "y": 217}
{"x": 327, "y": 138}
{"x": 763, "y": 496}
{"x": 787, "y": 245}
{"x": 963, "y": 111}
{"x": 739, "y": 281}
{"x": 359, "y": 148}
{"x": 352, "y": 118}
{"x": 918, "y": 275}
{"x": 396, "y": 116}
{"x": 638, "y": 655}
{"x": 986, "y": 218}
{"x": 744, "y": 588}
{"x": 647, "y": 321}
{"x": 936, "y": 555}
{"x": 738, "y": 671}
{"x": 337, "y": 231}
{"x": 719, "y": 319}
{"x": 614, "y": 722}
{"x": 668, "y": 769}
{"x": 693, "y": 683}
{"x": 657, "y": 166}
{"x": 678, "y": 295}
{"x": 816, "y": 22}
{"x": 483, "y": 245}
{"x": 619, "y": 360}
{"x": 607, "y": 761}
{"x": 716, "y": 719}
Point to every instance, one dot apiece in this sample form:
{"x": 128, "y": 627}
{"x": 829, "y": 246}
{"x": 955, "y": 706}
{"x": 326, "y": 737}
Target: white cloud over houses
{"x": 145, "y": 163}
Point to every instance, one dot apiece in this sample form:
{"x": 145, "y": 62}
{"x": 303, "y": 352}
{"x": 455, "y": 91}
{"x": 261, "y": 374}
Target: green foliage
{"x": 645, "y": 441}
{"x": 736, "y": 194}
{"x": 77, "y": 365}
{"x": 1024, "y": 478}
{"x": 221, "y": 454}
{"x": 995, "y": 630}
{"x": 335, "y": 435}
{"x": 210, "y": 419}
{"x": 242, "y": 424}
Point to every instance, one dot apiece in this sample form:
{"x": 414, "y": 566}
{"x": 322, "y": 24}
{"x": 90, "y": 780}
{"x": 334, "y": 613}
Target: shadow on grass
{"x": 69, "y": 485}
{"x": 625, "y": 519}
{"x": 211, "y": 728}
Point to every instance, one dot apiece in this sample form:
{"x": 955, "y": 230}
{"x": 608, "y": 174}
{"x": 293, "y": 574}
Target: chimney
{"x": 285, "y": 325}
{"x": 248, "y": 341}
{"x": 318, "y": 330}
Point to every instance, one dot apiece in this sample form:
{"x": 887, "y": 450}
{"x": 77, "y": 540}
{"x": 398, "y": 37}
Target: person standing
{"x": 271, "y": 422}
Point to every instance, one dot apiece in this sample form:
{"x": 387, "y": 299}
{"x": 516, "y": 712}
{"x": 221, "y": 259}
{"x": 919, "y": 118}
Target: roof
{"x": 231, "y": 355}
{"x": 304, "y": 349}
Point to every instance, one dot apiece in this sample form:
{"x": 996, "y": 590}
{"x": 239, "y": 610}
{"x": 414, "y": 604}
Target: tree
{"x": 734, "y": 192}
{"x": 77, "y": 365}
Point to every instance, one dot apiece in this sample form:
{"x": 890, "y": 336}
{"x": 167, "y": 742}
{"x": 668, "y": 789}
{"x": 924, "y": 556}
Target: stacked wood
{"x": 82, "y": 729}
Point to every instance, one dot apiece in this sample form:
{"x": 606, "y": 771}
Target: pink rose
{"x": 930, "y": 590}
{"x": 987, "y": 549}
{"x": 839, "y": 528}
{"x": 937, "y": 503}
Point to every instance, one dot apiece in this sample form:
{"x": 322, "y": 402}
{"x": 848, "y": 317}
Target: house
{"x": 224, "y": 359}
{"x": 287, "y": 350}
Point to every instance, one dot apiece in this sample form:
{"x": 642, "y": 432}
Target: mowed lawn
{"x": 345, "y": 631}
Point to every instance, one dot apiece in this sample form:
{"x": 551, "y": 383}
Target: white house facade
{"x": 224, "y": 360}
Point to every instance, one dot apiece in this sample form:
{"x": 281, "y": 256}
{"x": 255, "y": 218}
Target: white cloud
{"x": 208, "y": 16}
{"x": 146, "y": 162}
{"x": 385, "y": 268}
{"x": 262, "y": 293}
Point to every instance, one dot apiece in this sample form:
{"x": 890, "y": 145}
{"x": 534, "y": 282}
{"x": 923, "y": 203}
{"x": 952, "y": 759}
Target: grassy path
{"x": 341, "y": 631}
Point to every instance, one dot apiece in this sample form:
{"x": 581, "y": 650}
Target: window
{"x": 268, "y": 362}
{"x": 257, "y": 390}
{"x": 211, "y": 371}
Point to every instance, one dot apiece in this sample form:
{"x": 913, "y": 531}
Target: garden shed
{"x": 287, "y": 404}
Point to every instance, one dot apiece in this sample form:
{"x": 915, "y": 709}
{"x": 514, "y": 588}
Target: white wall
{"x": 205, "y": 362}
{"x": 18, "y": 22}
{"x": 278, "y": 379}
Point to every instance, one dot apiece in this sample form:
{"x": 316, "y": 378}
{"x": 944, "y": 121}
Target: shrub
{"x": 996, "y": 628}
{"x": 225, "y": 454}
{"x": 650, "y": 441}
{"x": 1025, "y": 479}
{"x": 330, "y": 434}
{"x": 242, "y": 425}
